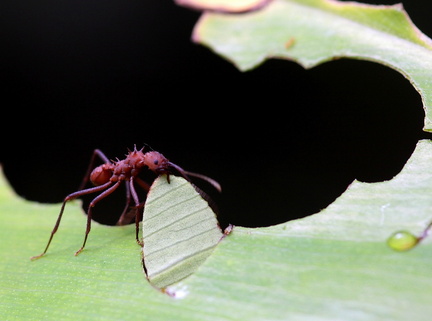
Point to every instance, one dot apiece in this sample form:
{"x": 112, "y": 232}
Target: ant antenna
{"x": 186, "y": 175}
{"x": 425, "y": 232}
{"x": 148, "y": 146}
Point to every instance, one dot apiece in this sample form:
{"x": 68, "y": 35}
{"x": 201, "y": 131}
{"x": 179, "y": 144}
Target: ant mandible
{"x": 109, "y": 176}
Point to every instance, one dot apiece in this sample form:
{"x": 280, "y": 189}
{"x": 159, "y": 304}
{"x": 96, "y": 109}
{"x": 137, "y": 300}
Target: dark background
{"x": 283, "y": 142}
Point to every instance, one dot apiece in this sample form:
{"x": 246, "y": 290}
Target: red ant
{"x": 108, "y": 177}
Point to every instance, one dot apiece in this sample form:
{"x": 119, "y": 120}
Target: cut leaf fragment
{"x": 311, "y": 32}
{"x": 180, "y": 231}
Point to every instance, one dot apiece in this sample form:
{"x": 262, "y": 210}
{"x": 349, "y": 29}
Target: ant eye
{"x": 156, "y": 162}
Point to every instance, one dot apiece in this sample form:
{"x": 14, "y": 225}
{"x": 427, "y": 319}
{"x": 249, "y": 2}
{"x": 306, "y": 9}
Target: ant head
{"x": 156, "y": 162}
{"x": 101, "y": 174}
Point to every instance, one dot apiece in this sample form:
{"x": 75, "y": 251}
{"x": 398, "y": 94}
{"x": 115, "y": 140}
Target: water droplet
{"x": 402, "y": 241}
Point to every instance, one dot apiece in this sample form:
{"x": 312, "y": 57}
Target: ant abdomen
{"x": 101, "y": 174}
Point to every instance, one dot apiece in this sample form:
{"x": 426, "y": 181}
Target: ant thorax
{"x": 130, "y": 166}
{"x": 120, "y": 170}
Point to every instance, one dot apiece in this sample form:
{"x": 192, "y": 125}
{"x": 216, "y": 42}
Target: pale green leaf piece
{"x": 333, "y": 265}
{"x": 180, "y": 231}
{"x": 223, "y": 5}
{"x": 311, "y": 32}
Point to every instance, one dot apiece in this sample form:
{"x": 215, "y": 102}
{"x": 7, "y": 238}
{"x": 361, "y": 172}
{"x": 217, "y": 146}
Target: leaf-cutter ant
{"x": 110, "y": 175}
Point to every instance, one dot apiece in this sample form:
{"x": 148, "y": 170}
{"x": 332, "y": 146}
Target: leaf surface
{"x": 311, "y": 32}
{"x": 334, "y": 265}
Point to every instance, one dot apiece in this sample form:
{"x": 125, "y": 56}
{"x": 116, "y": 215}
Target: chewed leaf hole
{"x": 180, "y": 231}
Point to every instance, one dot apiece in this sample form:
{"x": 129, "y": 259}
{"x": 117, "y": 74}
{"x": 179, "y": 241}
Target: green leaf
{"x": 180, "y": 231}
{"x": 334, "y": 265}
{"x": 98, "y": 283}
{"x": 311, "y": 32}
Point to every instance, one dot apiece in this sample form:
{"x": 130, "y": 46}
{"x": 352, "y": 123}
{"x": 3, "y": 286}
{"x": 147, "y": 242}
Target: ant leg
{"x": 125, "y": 217}
{"x": 207, "y": 198}
{"x": 142, "y": 184}
{"x": 209, "y": 180}
{"x": 128, "y": 213}
{"x": 102, "y": 156}
{"x": 425, "y": 232}
{"x": 89, "y": 212}
{"x": 52, "y": 232}
{"x": 69, "y": 198}
{"x": 138, "y": 215}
